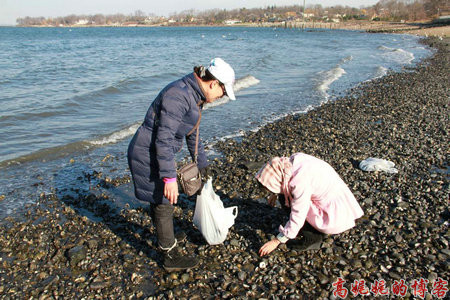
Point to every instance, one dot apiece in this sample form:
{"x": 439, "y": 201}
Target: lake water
{"x": 71, "y": 96}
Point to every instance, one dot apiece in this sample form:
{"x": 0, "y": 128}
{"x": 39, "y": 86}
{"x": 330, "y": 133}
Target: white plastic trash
{"x": 377, "y": 164}
{"x": 211, "y": 217}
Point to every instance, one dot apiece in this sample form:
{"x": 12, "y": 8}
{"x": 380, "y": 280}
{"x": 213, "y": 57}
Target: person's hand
{"x": 269, "y": 247}
{"x": 206, "y": 173}
{"x": 199, "y": 192}
{"x": 272, "y": 200}
{"x": 171, "y": 192}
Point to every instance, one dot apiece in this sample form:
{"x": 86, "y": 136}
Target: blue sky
{"x": 10, "y": 10}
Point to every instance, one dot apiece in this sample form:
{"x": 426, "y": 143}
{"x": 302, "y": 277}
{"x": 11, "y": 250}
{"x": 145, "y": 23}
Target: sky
{"x": 10, "y": 10}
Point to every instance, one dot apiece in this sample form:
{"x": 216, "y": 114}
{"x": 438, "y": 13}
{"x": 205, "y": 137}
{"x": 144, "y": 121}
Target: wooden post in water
{"x": 303, "y": 27}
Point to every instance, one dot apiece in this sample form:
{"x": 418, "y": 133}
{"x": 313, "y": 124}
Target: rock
{"x": 185, "y": 277}
{"x": 98, "y": 285}
{"x": 234, "y": 242}
{"x": 242, "y": 275}
{"x": 446, "y": 252}
{"x": 76, "y": 254}
{"x": 432, "y": 277}
{"x": 92, "y": 244}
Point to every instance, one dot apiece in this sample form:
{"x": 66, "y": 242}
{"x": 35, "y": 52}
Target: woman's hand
{"x": 171, "y": 192}
{"x": 269, "y": 247}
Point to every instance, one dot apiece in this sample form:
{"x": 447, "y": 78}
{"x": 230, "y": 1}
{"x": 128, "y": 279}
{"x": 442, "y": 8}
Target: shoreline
{"x": 417, "y": 28}
{"x": 402, "y": 117}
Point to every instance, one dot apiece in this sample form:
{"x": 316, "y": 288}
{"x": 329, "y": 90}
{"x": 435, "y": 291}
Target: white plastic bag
{"x": 211, "y": 218}
{"x": 377, "y": 164}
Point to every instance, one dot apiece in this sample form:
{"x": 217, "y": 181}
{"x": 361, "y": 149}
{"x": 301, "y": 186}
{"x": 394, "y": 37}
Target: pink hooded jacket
{"x": 320, "y": 197}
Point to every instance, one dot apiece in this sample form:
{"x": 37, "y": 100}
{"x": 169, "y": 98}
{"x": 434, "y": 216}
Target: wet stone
{"x": 98, "y": 285}
{"x": 234, "y": 242}
{"x": 242, "y": 275}
{"x": 185, "y": 277}
{"x": 76, "y": 254}
{"x": 92, "y": 244}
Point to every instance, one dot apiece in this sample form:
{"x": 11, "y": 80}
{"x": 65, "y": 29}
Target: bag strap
{"x": 198, "y": 122}
{"x": 196, "y": 127}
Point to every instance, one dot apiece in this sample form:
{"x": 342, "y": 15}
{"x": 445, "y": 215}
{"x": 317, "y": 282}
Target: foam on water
{"x": 397, "y": 54}
{"x": 116, "y": 136}
{"x": 405, "y": 56}
{"x": 380, "y": 72}
{"x": 240, "y": 84}
{"x": 327, "y": 78}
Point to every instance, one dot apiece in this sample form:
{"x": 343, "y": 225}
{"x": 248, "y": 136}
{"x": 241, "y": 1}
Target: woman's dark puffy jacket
{"x": 151, "y": 153}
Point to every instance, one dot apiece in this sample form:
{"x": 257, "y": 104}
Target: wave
{"x": 245, "y": 82}
{"x": 240, "y": 84}
{"x": 327, "y": 78}
{"x": 346, "y": 59}
{"x": 65, "y": 150}
{"x": 60, "y": 106}
{"x": 380, "y": 72}
{"x": 47, "y": 154}
{"x": 384, "y": 48}
{"x": 115, "y": 136}
{"x": 405, "y": 56}
{"x": 119, "y": 87}
{"x": 399, "y": 55}
{"x": 31, "y": 115}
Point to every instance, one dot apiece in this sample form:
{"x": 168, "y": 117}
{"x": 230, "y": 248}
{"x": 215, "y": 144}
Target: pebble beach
{"x": 52, "y": 251}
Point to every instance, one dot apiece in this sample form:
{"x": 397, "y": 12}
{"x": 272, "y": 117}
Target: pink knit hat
{"x": 275, "y": 176}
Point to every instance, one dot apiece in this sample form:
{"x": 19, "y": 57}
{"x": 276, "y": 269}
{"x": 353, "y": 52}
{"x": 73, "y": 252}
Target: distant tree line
{"x": 386, "y": 10}
{"x": 411, "y": 10}
{"x": 97, "y": 19}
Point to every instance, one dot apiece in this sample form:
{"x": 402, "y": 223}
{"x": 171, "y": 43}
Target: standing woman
{"x": 318, "y": 199}
{"x": 151, "y": 153}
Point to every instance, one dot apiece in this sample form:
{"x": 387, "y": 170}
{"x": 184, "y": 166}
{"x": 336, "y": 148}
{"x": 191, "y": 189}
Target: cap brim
{"x": 230, "y": 92}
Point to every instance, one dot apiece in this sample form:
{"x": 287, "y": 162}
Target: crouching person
{"x": 319, "y": 201}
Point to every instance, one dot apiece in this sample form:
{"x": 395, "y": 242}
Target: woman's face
{"x": 214, "y": 91}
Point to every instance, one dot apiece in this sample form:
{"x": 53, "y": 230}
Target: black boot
{"x": 174, "y": 260}
{"x": 180, "y": 236}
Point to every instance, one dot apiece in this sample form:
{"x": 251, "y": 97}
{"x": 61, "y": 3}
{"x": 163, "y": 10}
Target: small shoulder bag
{"x": 189, "y": 175}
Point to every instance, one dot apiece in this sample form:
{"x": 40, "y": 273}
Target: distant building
{"x": 307, "y": 15}
{"x": 231, "y": 22}
{"x": 82, "y": 22}
{"x": 291, "y": 14}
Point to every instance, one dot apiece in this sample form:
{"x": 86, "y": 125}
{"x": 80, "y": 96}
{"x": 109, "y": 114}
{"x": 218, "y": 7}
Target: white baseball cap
{"x": 224, "y": 73}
